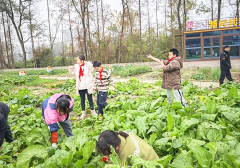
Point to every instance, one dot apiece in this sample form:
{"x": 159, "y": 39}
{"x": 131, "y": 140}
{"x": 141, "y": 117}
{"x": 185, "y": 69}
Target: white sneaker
{"x": 83, "y": 115}
{"x": 93, "y": 112}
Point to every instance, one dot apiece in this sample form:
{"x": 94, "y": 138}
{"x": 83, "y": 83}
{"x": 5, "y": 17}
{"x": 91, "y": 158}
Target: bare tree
{"x": 70, "y": 28}
{"x": 58, "y": 22}
{"x": 6, "y": 42}
{"x": 212, "y": 9}
{"x": 122, "y": 29}
{"x": 149, "y": 26}
{"x": 179, "y": 17}
{"x": 140, "y": 26}
{"x": 83, "y": 6}
{"x": 10, "y": 43}
{"x": 219, "y": 12}
{"x": 103, "y": 20}
{"x": 17, "y": 12}
{"x": 89, "y": 32}
{"x": 157, "y": 16}
{"x": 31, "y": 27}
{"x": 98, "y": 33}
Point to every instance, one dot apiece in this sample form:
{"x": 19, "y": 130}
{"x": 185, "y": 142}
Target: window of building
{"x": 233, "y": 42}
{"x": 234, "y": 31}
{"x": 212, "y": 33}
{"x": 207, "y": 48}
{"x": 216, "y": 48}
{"x": 193, "y": 35}
{"x": 193, "y": 49}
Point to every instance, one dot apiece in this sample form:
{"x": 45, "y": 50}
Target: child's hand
{"x": 161, "y": 63}
{"x": 149, "y": 56}
{"x": 71, "y": 70}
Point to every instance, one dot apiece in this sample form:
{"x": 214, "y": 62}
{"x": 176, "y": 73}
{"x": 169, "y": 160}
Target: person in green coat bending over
{"x": 125, "y": 144}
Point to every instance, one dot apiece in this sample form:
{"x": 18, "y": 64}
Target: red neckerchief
{"x": 100, "y": 72}
{"x": 81, "y": 71}
{"x": 169, "y": 61}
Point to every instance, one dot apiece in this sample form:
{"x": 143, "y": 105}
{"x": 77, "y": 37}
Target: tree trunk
{"x": 157, "y": 17}
{"x": 179, "y": 17}
{"x": 121, "y": 35}
{"x": 103, "y": 30}
{"x": 63, "y": 50}
{"x": 11, "y": 45}
{"x": 32, "y": 41}
{"x": 130, "y": 18}
{"x": 149, "y": 29}
{"x": 83, "y": 12}
{"x": 89, "y": 34}
{"x": 98, "y": 34}
{"x": 219, "y": 12}
{"x": 185, "y": 15}
{"x": 49, "y": 28}
{"x": 212, "y": 9}
{"x": 6, "y": 42}
{"x": 103, "y": 20}
{"x": 1, "y": 55}
{"x": 140, "y": 30}
{"x": 171, "y": 15}
{"x": 79, "y": 40}
{"x": 237, "y": 11}
{"x": 70, "y": 28}
{"x": 166, "y": 25}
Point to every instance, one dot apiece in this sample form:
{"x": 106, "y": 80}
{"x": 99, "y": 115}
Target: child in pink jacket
{"x": 56, "y": 109}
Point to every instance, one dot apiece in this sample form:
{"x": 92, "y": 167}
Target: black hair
{"x": 174, "y": 51}
{"x": 81, "y": 57}
{"x": 63, "y": 103}
{"x": 96, "y": 64}
{"x": 227, "y": 46}
{"x": 109, "y": 138}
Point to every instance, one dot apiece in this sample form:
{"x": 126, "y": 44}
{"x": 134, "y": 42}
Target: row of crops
{"x": 204, "y": 134}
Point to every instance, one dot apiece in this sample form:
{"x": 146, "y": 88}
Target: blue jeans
{"x": 67, "y": 128}
{"x": 101, "y": 101}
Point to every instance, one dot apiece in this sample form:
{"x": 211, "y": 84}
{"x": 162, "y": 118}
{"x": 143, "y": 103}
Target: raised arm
{"x": 153, "y": 58}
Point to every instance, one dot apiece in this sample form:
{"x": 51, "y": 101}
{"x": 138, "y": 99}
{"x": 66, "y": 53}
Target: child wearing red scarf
{"x": 102, "y": 81}
{"x": 171, "y": 78}
{"x": 84, "y": 82}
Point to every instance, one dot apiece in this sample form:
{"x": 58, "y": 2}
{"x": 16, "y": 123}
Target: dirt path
{"x": 142, "y": 78}
{"x": 186, "y": 65}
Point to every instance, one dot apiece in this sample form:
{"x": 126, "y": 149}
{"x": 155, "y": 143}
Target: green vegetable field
{"x": 206, "y": 134}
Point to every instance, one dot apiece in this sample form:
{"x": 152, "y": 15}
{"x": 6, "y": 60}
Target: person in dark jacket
{"x": 5, "y": 132}
{"x": 225, "y": 65}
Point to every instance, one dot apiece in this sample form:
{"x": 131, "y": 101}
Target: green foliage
{"x": 216, "y": 74}
{"x": 206, "y": 70}
{"x": 130, "y": 70}
{"x": 207, "y": 73}
{"x": 199, "y": 76}
{"x": 204, "y": 134}
{"x": 38, "y": 72}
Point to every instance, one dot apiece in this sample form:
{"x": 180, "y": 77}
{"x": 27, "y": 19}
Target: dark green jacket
{"x": 133, "y": 145}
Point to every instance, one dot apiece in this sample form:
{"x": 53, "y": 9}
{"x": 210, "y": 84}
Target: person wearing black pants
{"x": 84, "y": 82}
{"x": 82, "y": 94}
{"x": 5, "y": 132}
{"x": 225, "y": 65}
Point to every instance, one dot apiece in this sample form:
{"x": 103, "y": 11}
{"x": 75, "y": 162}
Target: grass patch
{"x": 130, "y": 70}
